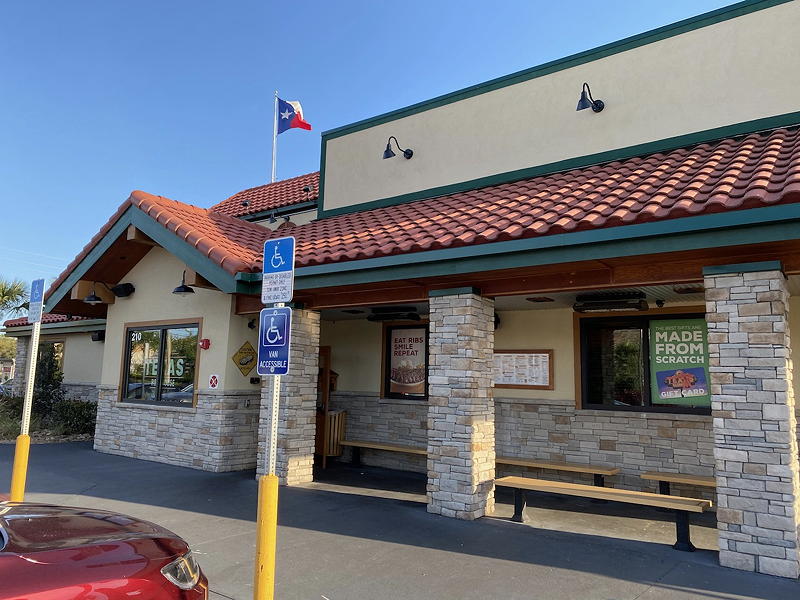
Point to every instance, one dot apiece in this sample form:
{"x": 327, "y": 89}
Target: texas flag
{"x": 290, "y": 114}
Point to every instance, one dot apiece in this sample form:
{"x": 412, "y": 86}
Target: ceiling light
{"x": 539, "y": 299}
{"x": 93, "y": 298}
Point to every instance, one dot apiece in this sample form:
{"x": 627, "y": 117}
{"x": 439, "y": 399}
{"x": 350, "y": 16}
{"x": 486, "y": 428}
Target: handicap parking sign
{"x": 36, "y": 302}
{"x": 274, "y": 333}
{"x": 277, "y": 284}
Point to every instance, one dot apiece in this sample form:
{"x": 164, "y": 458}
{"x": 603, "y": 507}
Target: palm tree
{"x": 13, "y": 297}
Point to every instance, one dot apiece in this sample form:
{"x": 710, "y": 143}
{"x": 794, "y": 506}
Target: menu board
{"x": 523, "y": 369}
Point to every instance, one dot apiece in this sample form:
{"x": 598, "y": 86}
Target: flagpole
{"x": 275, "y": 138}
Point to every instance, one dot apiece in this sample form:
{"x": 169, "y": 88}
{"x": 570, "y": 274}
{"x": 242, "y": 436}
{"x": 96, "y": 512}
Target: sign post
{"x": 19, "y": 472}
{"x": 274, "y": 340}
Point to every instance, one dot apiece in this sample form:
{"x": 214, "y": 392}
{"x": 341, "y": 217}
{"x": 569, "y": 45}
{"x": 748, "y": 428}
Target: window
{"x": 648, "y": 363}
{"x": 406, "y": 362}
{"x": 161, "y": 364}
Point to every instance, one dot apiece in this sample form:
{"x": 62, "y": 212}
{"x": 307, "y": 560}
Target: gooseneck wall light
{"x": 121, "y": 290}
{"x": 183, "y": 289}
{"x": 388, "y": 153}
{"x": 587, "y": 101}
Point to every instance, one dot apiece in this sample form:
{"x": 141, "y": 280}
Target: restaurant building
{"x": 492, "y": 273}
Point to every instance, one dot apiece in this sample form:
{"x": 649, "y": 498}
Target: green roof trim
{"x": 184, "y": 251}
{"x": 665, "y": 145}
{"x": 757, "y": 225}
{"x": 753, "y": 267}
{"x": 82, "y": 326}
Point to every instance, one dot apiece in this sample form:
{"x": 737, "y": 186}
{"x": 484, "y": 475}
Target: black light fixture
{"x": 388, "y": 153}
{"x": 393, "y": 313}
{"x": 183, "y": 289}
{"x": 272, "y": 218}
{"x": 610, "y": 302}
{"x": 245, "y": 203}
{"x": 587, "y": 101}
{"x": 121, "y": 290}
{"x": 93, "y": 298}
{"x": 307, "y": 190}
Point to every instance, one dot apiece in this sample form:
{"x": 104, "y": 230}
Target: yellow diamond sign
{"x": 245, "y": 358}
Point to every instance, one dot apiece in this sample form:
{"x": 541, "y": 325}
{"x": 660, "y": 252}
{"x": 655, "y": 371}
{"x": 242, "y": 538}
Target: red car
{"x": 61, "y": 553}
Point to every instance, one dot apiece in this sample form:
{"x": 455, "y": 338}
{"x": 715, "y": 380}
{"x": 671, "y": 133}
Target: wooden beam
{"x": 194, "y": 279}
{"x": 135, "y": 235}
{"x": 83, "y": 288}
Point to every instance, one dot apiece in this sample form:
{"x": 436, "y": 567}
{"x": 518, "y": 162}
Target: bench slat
{"x": 616, "y": 495}
{"x": 557, "y": 466}
{"x": 680, "y": 478}
{"x": 388, "y": 447}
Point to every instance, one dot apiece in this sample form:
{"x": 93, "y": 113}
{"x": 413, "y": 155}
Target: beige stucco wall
{"x": 154, "y": 277}
{"x": 735, "y": 71}
{"x": 355, "y": 353}
{"x": 540, "y": 330}
{"x": 83, "y": 358}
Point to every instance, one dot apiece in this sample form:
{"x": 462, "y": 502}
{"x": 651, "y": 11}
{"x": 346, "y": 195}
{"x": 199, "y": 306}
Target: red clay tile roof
{"x": 271, "y": 196}
{"x": 747, "y": 172}
{"x": 231, "y": 243}
{"x": 46, "y": 319}
{"x": 752, "y": 171}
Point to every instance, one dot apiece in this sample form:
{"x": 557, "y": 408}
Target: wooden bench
{"x": 664, "y": 479}
{"x": 356, "y": 445}
{"x": 599, "y": 472}
{"x": 681, "y": 506}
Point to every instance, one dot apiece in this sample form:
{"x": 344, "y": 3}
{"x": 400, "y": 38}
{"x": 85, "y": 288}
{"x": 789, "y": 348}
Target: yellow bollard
{"x": 266, "y": 534}
{"x": 19, "y": 472}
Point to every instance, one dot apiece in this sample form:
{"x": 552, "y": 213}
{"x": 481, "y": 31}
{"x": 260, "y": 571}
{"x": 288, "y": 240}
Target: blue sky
{"x": 99, "y": 97}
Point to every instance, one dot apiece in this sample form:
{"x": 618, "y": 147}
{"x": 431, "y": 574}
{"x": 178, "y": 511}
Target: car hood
{"x": 40, "y": 527}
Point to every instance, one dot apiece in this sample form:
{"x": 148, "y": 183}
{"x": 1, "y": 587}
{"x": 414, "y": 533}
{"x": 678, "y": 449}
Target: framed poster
{"x": 523, "y": 369}
{"x": 406, "y": 364}
{"x": 679, "y": 363}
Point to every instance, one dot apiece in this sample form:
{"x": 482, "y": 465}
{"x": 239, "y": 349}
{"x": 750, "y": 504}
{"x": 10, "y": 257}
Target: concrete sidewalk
{"x": 342, "y": 540}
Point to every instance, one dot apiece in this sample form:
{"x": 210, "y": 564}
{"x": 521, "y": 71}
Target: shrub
{"x": 47, "y": 390}
{"x": 10, "y": 416}
{"x": 70, "y": 417}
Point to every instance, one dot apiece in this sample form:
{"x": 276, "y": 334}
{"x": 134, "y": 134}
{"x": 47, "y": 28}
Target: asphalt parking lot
{"x": 365, "y": 534}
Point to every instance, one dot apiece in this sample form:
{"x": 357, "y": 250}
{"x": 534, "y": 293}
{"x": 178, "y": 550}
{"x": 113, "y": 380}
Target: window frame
{"x": 584, "y": 325}
{"x": 388, "y": 328}
{"x": 126, "y": 353}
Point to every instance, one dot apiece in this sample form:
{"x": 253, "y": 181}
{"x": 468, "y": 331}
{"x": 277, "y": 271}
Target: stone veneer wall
{"x": 461, "y": 448}
{"x": 386, "y": 420}
{"x": 297, "y": 415}
{"x": 80, "y": 391}
{"x": 633, "y": 441}
{"x": 755, "y": 428}
{"x": 219, "y": 434}
{"x": 21, "y": 366}
{"x": 549, "y": 430}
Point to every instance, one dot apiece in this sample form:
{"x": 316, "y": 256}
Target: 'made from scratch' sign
{"x": 679, "y": 362}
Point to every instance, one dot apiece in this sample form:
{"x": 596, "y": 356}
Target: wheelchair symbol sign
{"x": 274, "y": 334}
{"x": 36, "y": 301}
{"x": 277, "y": 284}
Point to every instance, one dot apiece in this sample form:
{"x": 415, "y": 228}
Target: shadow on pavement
{"x": 74, "y": 469}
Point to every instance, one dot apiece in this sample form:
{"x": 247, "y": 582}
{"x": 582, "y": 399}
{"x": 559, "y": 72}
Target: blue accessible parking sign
{"x": 278, "y": 275}
{"x": 274, "y": 333}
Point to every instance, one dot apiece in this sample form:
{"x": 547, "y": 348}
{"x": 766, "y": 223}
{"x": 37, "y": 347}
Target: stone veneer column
{"x": 20, "y": 366}
{"x": 758, "y": 489}
{"x": 298, "y": 407}
{"x": 460, "y": 405}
